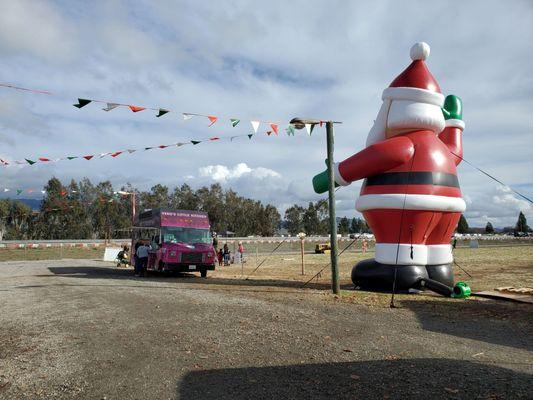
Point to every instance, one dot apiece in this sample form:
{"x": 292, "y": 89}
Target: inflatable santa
{"x": 410, "y": 197}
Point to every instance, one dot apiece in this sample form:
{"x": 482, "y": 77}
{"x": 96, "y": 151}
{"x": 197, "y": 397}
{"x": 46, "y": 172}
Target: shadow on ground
{"x": 122, "y": 273}
{"x": 395, "y": 379}
{"x": 498, "y": 322}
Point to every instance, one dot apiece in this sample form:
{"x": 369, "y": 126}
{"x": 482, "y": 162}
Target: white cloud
{"x": 221, "y": 173}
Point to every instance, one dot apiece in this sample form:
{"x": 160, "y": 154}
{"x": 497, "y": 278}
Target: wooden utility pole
{"x": 335, "y": 286}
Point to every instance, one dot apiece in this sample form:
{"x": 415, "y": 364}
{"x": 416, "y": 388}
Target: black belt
{"x": 414, "y": 178}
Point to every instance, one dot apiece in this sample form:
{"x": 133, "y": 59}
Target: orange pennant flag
{"x": 116, "y": 154}
{"x": 212, "y": 119}
{"x": 274, "y": 128}
{"x": 136, "y": 108}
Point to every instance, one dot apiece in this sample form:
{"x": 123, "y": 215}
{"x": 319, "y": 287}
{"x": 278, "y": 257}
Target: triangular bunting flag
{"x": 63, "y": 192}
{"x": 187, "y": 117}
{"x": 274, "y": 128}
{"x": 30, "y": 161}
{"x": 82, "y": 103}
{"x": 110, "y": 106}
{"x": 43, "y": 159}
{"x": 269, "y": 133}
{"x": 212, "y": 119}
{"x": 88, "y": 157}
{"x": 163, "y": 146}
{"x": 290, "y": 130}
{"x": 214, "y": 138}
{"x": 43, "y": 191}
{"x": 250, "y": 135}
{"x": 235, "y": 122}
{"x": 161, "y": 112}
{"x": 136, "y": 108}
{"x": 19, "y": 191}
{"x": 148, "y": 148}
{"x": 180, "y": 144}
{"x": 31, "y": 190}
{"x": 102, "y": 155}
{"x": 116, "y": 154}
{"x": 132, "y": 150}
{"x": 195, "y": 142}
{"x": 6, "y": 190}
{"x": 72, "y": 157}
{"x": 309, "y": 128}
{"x": 255, "y": 125}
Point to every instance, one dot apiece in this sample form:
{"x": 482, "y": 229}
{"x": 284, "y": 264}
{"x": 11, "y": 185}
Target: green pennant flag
{"x": 195, "y": 142}
{"x": 72, "y": 157}
{"x": 82, "y": 103}
{"x": 19, "y": 191}
{"x": 234, "y": 122}
{"x": 30, "y": 161}
{"x": 250, "y": 135}
{"x": 290, "y": 130}
{"x": 162, "y": 112}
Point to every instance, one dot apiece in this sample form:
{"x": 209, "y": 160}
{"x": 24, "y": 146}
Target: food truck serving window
{"x": 185, "y": 235}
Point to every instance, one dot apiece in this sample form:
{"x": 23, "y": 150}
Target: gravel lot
{"x": 85, "y": 329}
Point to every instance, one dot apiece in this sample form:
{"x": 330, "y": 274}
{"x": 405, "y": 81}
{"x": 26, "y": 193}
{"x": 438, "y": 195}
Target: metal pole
{"x": 335, "y": 286}
{"x": 302, "y": 251}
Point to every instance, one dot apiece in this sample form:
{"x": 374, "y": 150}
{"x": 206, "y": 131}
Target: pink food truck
{"x": 180, "y": 240}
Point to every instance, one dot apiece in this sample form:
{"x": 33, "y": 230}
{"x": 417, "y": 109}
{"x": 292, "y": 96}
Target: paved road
{"x": 80, "y": 329}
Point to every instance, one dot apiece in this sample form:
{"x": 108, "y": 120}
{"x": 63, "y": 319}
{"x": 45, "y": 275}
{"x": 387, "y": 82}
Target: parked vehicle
{"x": 180, "y": 240}
{"x": 321, "y": 248}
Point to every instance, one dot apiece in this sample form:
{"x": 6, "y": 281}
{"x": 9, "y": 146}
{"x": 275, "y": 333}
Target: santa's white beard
{"x": 398, "y": 116}
{"x": 378, "y": 131}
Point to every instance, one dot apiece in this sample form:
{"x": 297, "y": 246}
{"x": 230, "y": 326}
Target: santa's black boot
{"x": 370, "y": 274}
{"x": 441, "y": 273}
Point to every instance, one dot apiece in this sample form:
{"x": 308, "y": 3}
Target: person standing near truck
{"x": 142, "y": 258}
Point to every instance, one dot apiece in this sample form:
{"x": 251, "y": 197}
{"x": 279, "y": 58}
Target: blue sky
{"x": 259, "y": 60}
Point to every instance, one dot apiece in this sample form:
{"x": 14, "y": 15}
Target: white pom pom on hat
{"x": 419, "y": 51}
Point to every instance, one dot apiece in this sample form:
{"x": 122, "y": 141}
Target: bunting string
{"x": 30, "y": 161}
{"x": 271, "y": 126}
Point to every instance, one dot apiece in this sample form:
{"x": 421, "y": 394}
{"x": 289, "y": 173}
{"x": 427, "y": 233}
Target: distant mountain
{"x": 34, "y": 204}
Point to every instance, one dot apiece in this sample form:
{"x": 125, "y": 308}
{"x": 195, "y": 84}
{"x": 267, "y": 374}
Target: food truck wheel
{"x": 203, "y": 273}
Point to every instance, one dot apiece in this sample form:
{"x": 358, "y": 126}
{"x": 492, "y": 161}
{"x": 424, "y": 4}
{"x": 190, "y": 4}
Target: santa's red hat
{"x": 416, "y": 83}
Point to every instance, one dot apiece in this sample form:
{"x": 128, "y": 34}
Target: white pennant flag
{"x": 43, "y": 191}
{"x": 308, "y": 128}
{"x": 102, "y": 155}
{"x": 187, "y": 117}
{"x": 6, "y": 190}
{"x": 179, "y": 144}
{"x": 255, "y": 125}
{"x": 110, "y": 106}
{"x": 132, "y": 150}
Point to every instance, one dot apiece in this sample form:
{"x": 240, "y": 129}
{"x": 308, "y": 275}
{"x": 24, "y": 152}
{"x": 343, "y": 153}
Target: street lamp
{"x": 300, "y": 123}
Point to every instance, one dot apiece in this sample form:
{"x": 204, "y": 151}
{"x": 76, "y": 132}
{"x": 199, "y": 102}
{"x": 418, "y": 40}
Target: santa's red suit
{"x": 411, "y": 197}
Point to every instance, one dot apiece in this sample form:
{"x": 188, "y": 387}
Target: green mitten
{"x": 453, "y": 108}
{"x": 321, "y": 182}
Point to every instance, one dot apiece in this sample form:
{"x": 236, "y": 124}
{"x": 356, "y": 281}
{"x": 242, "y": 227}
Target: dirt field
{"x": 85, "y": 329}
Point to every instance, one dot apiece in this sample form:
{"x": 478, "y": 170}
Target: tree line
{"x": 314, "y": 220}
{"x": 83, "y": 210}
